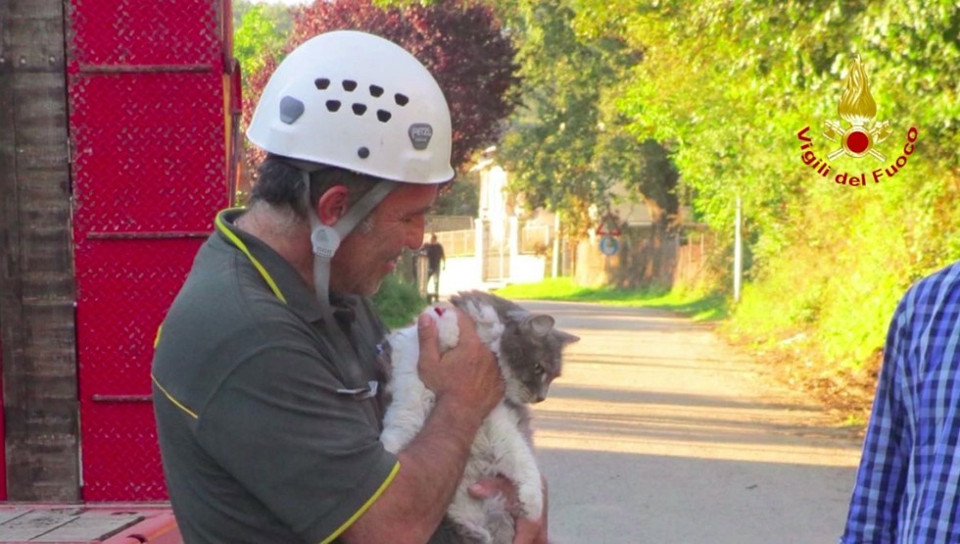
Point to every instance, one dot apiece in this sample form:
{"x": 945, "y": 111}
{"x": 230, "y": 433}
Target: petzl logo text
{"x": 856, "y": 136}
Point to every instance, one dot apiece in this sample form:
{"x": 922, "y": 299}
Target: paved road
{"x": 659, "y": 433}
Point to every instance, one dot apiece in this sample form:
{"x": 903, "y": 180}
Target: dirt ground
{"x": 846, "y": 395}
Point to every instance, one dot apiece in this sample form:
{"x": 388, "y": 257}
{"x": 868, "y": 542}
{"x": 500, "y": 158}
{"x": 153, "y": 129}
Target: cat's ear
{"x": 566, "y": 338}
{"x": 537, "y": 324}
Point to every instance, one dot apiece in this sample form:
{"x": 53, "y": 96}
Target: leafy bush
{"x": 398, "y": 302}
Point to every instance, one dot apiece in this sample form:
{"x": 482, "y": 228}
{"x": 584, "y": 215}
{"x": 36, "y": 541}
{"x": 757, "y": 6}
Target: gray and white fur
{"x": 528, "y": 350}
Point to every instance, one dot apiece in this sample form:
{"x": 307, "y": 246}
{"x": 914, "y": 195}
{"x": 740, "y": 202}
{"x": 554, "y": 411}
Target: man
{"x": 908, "y": 485}
{"x": 270, "y": 366}
{"x": 435, "y": 260}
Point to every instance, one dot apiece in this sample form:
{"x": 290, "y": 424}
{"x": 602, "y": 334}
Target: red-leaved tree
{"x": 460, "y": 41}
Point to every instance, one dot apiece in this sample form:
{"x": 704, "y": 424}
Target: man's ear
{"x": 332, "y": 204}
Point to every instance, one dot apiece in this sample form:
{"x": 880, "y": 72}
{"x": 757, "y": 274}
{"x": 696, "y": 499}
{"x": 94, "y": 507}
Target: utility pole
{"x": 555, "y": 264}
{"x": 737, "y": 252}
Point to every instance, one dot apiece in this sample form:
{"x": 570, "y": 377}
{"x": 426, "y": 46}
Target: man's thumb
{"x": 427, "y": 333}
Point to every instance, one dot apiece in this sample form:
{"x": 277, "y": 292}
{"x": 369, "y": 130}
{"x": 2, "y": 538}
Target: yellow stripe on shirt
{"x": 175, "y": 402}
{"x": 366, "y": 506}
{"x": 243, "y": 247}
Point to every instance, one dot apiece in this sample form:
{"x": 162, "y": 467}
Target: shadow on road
{"x": 573, "y": 391}
{"x": 658, "y": 432}
{"x": 616, "y": 498}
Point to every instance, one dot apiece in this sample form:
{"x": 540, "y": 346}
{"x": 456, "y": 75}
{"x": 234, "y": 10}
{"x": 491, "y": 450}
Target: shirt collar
{"x": 284, "y": 277}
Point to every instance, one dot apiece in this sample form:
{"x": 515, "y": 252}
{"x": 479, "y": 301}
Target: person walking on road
{"x": 271, "y": 365}
{"x": 908, "y": 484}
{"x": 436, "y": 261}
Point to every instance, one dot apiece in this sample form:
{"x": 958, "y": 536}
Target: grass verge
{"x": 698, "y": 306}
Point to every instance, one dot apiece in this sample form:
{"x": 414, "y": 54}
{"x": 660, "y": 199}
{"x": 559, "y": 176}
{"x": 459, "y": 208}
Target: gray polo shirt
{"x": 267, "y": 434}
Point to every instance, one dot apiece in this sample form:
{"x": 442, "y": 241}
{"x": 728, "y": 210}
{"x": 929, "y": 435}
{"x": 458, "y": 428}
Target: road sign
{"x": 609, "y": 245}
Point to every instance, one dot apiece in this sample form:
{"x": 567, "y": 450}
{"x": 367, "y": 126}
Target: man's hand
{"x": 468, "y": 374}
{"x": 528, "y": 531}
{"x": 467, "y": 383}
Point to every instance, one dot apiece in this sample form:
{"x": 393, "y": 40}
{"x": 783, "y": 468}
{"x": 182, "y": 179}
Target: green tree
{"x": 571, "y": 144}
{"x": 724, "y": 87}
{"x": 260, "y": 32}
{"x": 550, "y": 144}
{"x": 729, "y": 84}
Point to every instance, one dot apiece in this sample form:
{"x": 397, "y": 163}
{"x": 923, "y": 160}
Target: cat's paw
{"x": 391, "y": 440}
{"x": 445, "y": 316}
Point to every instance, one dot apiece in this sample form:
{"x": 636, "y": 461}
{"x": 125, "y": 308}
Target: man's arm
{"x": 467, "y": 384}
{"x": 880, "y": 481}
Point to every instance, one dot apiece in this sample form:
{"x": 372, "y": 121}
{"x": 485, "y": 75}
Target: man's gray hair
{"x": 281, "y": 185}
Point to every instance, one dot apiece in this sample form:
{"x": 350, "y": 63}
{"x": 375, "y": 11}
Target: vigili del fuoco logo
{"x": 857, "y": 136}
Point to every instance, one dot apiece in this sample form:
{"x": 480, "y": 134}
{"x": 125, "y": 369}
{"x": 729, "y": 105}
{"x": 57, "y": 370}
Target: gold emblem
{"x": 857, "y": 108}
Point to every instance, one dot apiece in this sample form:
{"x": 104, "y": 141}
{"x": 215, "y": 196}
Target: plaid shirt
{"x": 908, "y": 485}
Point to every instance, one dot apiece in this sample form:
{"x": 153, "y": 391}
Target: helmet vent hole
{"x": 321, "y": 83}
{"x": 349, "y": 85}
{"x": 401, "y": 99}
{"x": 359, "y": 109}
{"x": 363, "y": 152}
{"x": 376, "y": 91}
{"x": 383, "y": 116}
{"x": 333, "y": 105}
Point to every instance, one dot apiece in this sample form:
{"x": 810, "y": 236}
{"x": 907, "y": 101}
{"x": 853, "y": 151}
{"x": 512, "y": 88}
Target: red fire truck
{"x": 118, "y": 143}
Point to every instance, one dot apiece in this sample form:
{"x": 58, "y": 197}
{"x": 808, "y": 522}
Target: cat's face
{"x": 533, "y": 350}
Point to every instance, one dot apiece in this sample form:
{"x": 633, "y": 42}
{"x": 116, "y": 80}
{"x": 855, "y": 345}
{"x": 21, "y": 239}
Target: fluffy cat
{"x": 528, "y": 350}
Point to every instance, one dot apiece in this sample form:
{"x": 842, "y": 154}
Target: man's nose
{"x": 415, "y": 237}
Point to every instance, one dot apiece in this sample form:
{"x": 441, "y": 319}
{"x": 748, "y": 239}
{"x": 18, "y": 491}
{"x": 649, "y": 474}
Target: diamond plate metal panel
{"x": 121, "y": 460}
{"x": 125, "y": 287}
{"x": 149, "y": 131}
{"x": 148, "y": 151}
{"x": 145, "y": 32}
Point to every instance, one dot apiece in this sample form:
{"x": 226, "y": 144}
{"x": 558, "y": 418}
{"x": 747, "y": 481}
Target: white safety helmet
{"x": 360, "y": 102}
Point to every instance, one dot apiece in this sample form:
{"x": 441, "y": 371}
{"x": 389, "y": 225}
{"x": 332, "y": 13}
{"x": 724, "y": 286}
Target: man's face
{"x": 367, "y": 255}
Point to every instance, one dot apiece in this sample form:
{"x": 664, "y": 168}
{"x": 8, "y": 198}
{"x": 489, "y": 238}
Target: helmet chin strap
{"x": 325, "y": 241}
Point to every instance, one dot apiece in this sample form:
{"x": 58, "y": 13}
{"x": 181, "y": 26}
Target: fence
{"x": 694, "y": 247}
{"x": 442, "y": 223}
{"x": 458, "y": 243}
{"x": 535, "y": 238}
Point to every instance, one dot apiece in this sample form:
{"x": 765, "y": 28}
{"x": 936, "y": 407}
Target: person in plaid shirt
{"x": 908, "y": 484}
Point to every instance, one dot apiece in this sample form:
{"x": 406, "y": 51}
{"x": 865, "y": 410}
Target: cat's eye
{"x": 539, "y": 369}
